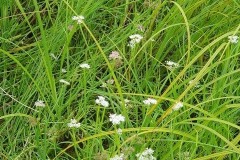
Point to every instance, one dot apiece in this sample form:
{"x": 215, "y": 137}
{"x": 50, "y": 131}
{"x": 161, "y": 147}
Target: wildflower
{"x": 126, "y": 101}
{"x": 150, "y": 101}
{"x": 135, "y": 38}
{"x": 172, "y": 64}
{"x": 73, "y": 124}
{"x": 116, "y": 119}
{"x": 64, "y": 70}
{"x": 146, "y": 155}
{"x": 101, "y": 101}
{"x": 141, "y": 28}
{"x": 79, "y": 19}
{"x": 233, "y": 39}
{"x": 177, "y": 106}
{"x": 39, "y": 103}
{"x": 119, "y": 131}
{"x": 118, "y": 157}
{"x": 64, "y": 81}
{"x": 114, "y": 55}
{"x": 84, "y": 65}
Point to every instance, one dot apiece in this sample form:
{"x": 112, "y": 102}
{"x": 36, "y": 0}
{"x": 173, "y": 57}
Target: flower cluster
{"x": 73, "y": 124}
{"x": 114, "y": 55}
{"x": 79, "y": 19}
{"x": 177, "y": 106}
{"x": 39, "y": 103}
{"x": 84, "y": 65}
{"x": 102, "y": 101}
{"x": 147, "y": 154}
{"x": 116, "y": 119}
{"x": 233, "y": 39}
{"x": 171, "y": 64}
{"x": 118, "y": 157}
{"x": 150, "y": 101}
{"x": 135, "y": 38}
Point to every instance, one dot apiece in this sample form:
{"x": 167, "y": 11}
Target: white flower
{"x": 146, "y": 155}
{"x": 64, "y": 81}
{"x": 233, "y": 39}
{"x": 135, "y": 38}
{"x": 102, "y": 101}
{"x": 172, "y": 64}
{"x": 84, "y": 65}
{"x": 114, "y": 55}
{"x": 79, "y": 19}
{"x": 116, "y": 119}
{"x": 39, "y": 103}
{"x": 119, "y": 131}
{"x": 118, "y": 157}
{"x": 73, "y": 124}
{"x": 177, "y": 106}
{"x": 64, "y": 70}
{"x": 141, "y": 28}
{"x": 150, "y": 101}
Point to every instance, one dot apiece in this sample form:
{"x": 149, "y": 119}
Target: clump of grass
{"x": 119, "y": 79}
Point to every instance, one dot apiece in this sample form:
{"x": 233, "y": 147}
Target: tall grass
{"x": 39, "y": 38}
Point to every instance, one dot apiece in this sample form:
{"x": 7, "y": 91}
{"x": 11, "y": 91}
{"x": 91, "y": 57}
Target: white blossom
{"x": 39, "y": 103}
{"x": 172, "y": 64}
{"x": 74, "y": 124}
{"x": 114, "y": 55}
{"x": 116, "y": 119}
{"x": 64, "y": 70}
{"x": 150, "y": 101}
{"x": 146, "y": 155}
{"x": 102, "y": 101}
{"x": 233, "y": 39}
{"x": 118, "y": 157}
{"x": 79, "y": 19}
{"x": 64, "y": 81}
{"x": 84, "y": 65}
{"x": 134, "y": 39}
{"x": 119, "y": 131}
{"x": 177, "y": 106}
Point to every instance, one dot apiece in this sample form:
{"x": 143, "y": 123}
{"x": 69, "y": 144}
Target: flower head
{"x": 84, "y": 65}
{"x": 73, "y": 124}
{"x": 233, "y": 39}
{"x": 119, "y": 131}
{"x": 146, "y": 155}
{"x": 116, "y": 119}
{"x": 134, "y": 39}
{"x": 150, "y": 101}
{"x": 79, "y": 19}
{"x": 39, "y": 103}
{"x": 102, "y": 101}
{"x": 64, "y": 70}
{"x": 118, "y": 157}
{"x": 114, "y": 55}
{"x": 64, "y": 81}
{"x": 177, "y": 106}
{"x": 172, "y": 64}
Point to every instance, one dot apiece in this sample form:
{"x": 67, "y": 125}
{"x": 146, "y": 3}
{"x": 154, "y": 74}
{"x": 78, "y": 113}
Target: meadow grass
{"x": 41, "y": 45}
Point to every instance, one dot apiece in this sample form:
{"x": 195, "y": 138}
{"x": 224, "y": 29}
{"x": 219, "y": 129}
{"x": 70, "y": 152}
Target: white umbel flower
{"x": 114, "y": 55}
{"x": 39, "y": 103}
{"x": 64, "y": 70}
{"x": 177, "y": 106}
{"x": 233, "y": 39}
{"x": 116, "y": 119}
{"x": 85, "y": 65}
{"x": 118, "y": 157}
{"x": 102, "y": 101}
{"x": 150, "y": 101}
{"x": 119, "y": 131}
{"x": 172, "y": 64}
{"x": 74, "y": 124}
{"x": 146, "y": 155}
{"x": 135, "y": 38}
{"x": 64, "y": 81}
{"x": 79, "y": 19}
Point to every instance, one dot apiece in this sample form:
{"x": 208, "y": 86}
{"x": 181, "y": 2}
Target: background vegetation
{"x": 192, "y": 33}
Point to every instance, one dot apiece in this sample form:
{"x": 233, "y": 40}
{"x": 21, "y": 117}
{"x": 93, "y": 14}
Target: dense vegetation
{"x": 61, "y": 77}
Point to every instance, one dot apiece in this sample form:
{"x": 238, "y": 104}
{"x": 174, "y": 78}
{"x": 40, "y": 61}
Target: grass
{"x": 193, "y": 34}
